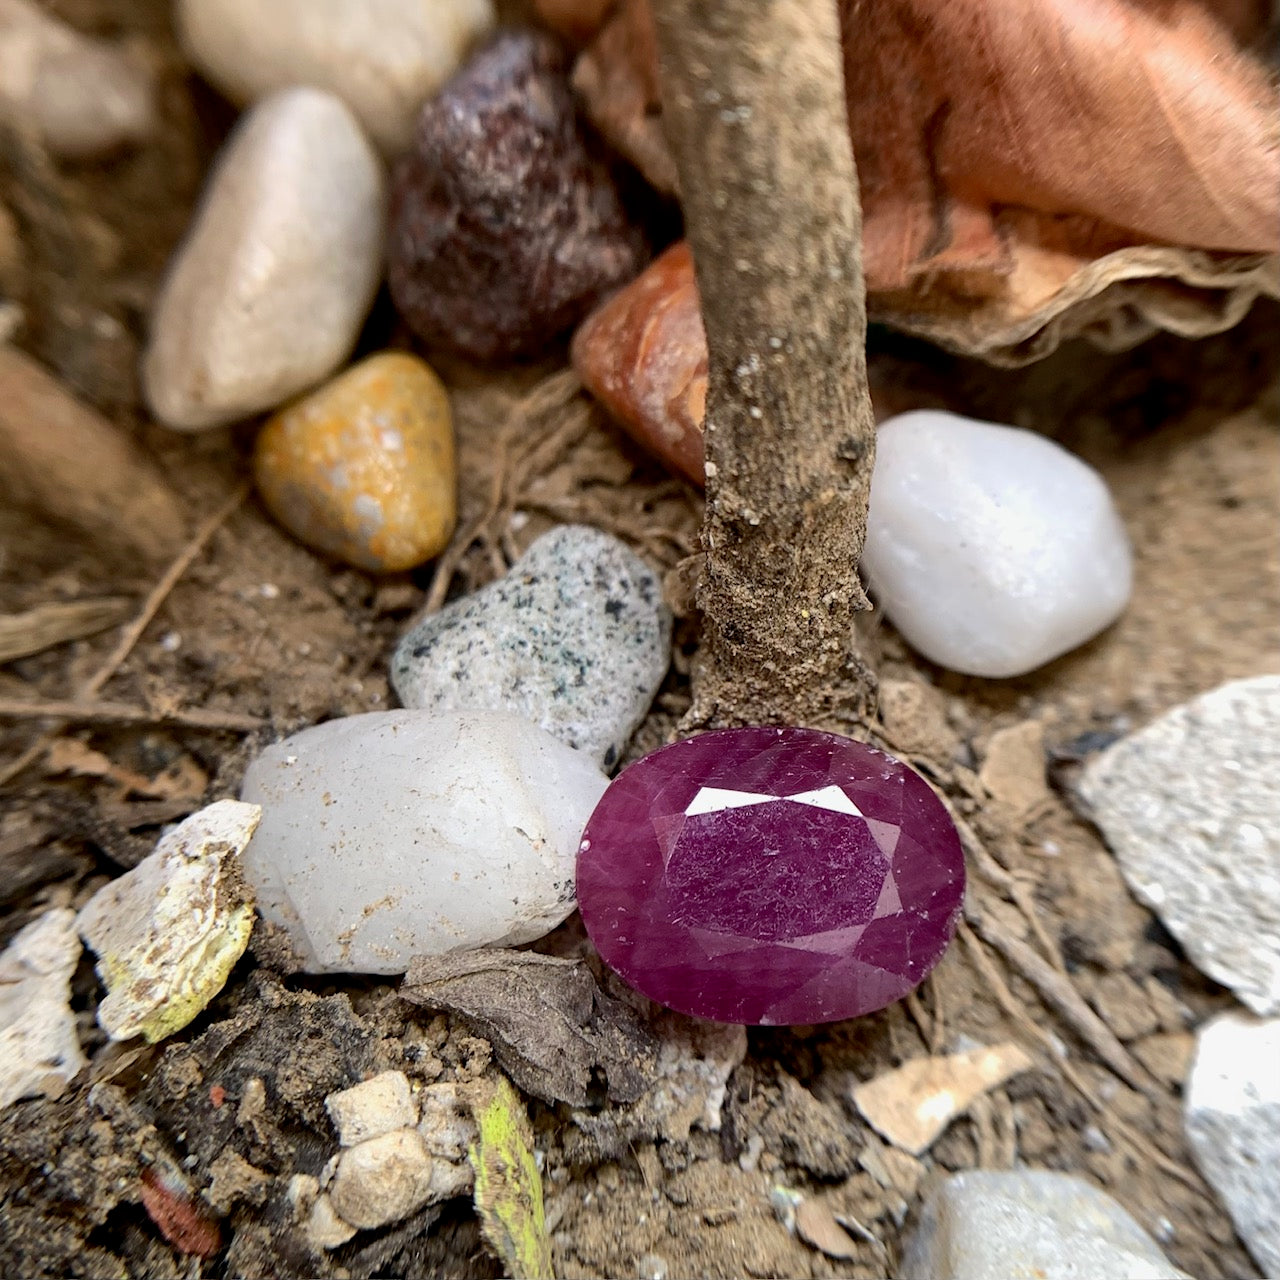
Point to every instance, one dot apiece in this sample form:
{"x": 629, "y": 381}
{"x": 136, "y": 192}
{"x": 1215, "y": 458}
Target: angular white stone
{"x": 383, "y": 1180}
{"x": 268, "y": 291}
{"x": 80, "y": 97}
{"x": 1232, "y": 1119}
{"x": 404, "y": 833}
{"x": 168, "y": 933}
{"x": 576, "y": 638}
{"x": 992, "y": 549}
{"x": 372, "y": 1107}
{"x": 383, "y": 58}
{"x": 984, "y": 1225}
{"x": 1190, "y": 806}
{"x": 39, "y": 1049}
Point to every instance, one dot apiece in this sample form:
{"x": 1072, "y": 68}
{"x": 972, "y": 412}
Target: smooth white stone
{"x": 39, "y": 1049}
{"x": 1233, "y": 1125}
{"x": 80, "y": 97}
{"x": 576, "y": 638}
{"x": 1190, "y": 806}
{"x": 987, "y": 1225}
{"x": 403, "y": 833}
{"x": 268, "y": 291}
{"x": 992, "y": 549}
{"x": 383, "y": 58}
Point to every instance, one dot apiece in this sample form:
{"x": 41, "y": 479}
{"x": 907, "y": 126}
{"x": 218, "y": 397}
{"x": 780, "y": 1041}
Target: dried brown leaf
{"x": 549, "y": 1023}
{"x": 1033, "y": 170}
{"x": 816, "y": 1225}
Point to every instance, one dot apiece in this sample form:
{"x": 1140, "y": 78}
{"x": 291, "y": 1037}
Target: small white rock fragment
{"x": 383, "y": 58}
{"x": 576, "y": 638}
{"x": 695, "y": 1061}
{"x": 449, "y": 1130}
{"x": 914, "y": 1103}
{"x": 1190, "y": 806}
{"x": 168, "y": 933}
{"x": 80, "y": 97}
{"x": 39, "y": 1050}
{"x": 268, "y": 291}
{"x": 372, "y": 1107}
{"x": 992, "y": 549}
{"x": 1232, "y": 1119}
{"x": 403, "y": 833}
{"x": 325, "y": 1230}
{"x": 985, "y": 1225}
{"x": 383, "y": 1179}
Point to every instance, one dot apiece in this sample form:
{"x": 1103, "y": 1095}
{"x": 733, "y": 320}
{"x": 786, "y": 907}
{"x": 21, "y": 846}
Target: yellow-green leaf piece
{"x": 169, "y": 932}
{"x": 508, "y": 1195}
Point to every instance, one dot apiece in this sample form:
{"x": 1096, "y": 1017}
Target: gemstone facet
{"x": 770, "y": 876}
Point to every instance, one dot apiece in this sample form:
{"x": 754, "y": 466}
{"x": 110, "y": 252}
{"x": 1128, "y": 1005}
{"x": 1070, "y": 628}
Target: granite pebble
{"x": 1190, "y": 806}
{"x": 576, "y": 638}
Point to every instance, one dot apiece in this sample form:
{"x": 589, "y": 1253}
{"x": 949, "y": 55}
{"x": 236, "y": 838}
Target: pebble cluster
{"x": 383, "y": 141}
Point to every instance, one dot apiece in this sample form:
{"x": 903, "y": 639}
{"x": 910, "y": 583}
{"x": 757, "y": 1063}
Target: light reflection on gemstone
{"x": 770, "y": 876}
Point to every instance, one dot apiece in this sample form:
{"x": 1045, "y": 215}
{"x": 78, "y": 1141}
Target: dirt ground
{"x": 1186, "y": 435}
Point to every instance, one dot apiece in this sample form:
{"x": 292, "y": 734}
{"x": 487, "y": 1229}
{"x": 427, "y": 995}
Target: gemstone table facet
{"x": 770, "y": 876}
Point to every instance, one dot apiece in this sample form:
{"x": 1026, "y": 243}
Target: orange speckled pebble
{"x": 363, "y": 468}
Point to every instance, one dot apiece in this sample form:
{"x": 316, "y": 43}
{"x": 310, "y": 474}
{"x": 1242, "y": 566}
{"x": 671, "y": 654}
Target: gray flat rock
{"x": 1233, "y": 1125}
{"x": 1190, "y": 806}
{"x": 986, "y": 1225}
{"x": 576, "y": 638}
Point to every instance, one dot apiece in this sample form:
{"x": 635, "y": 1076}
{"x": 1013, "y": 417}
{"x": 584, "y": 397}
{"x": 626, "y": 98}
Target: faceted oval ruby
{"x": 773, "y": 876}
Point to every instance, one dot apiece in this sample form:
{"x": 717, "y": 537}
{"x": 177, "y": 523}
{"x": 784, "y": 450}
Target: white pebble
{"x": 576, "y": 638}
{"x": 402, "y": 833}
{"x": 80, "y": 97}
{"x": 39, "y": 1050}
{"x": 992, "y": 549}
{"x": 383, "y": 58}
{"x": 1190, "y": 806}
{"x": 372, "y": 1107}
{"x": 267, "y": 293}
{"x": 1233, "y": 1126}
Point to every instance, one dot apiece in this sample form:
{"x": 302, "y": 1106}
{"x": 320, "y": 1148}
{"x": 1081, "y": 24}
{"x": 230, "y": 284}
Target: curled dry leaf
{"x": 1032, "y": 170}
{"x": 549, "y": 1023}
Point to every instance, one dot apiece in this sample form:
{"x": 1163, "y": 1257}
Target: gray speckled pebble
{"x": 1190, "y": 805}
{"x": 988, "y": 1225}
{"x": 575, "y": 638}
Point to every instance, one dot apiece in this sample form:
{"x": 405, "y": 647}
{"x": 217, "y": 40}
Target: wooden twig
{"x": 62, "y": 460}
{"x": 754, "y": 108}
{"x": 133, "y": 632}
{"x": 1057, "y": 992}
{"x": 48, "y": 625}
{"x": 124, "y": 713}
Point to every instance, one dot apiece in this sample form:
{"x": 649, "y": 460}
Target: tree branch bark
{"x": 754, "y": 106}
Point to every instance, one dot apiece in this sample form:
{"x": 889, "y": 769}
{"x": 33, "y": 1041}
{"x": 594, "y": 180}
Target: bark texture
{"x": 754, "y": 106}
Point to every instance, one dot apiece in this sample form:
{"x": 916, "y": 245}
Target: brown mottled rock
{"x": 643, "y": 354}
{"x": 506, "y": 229}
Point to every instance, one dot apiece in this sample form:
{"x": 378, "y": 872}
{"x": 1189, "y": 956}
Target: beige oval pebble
{"x": 363, "y": 468}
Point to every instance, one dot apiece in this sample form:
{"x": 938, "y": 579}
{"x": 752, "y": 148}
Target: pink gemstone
{"x": 774, "y": 876}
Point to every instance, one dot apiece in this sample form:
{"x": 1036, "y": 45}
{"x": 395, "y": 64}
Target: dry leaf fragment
{"x": 913, "y": 1104}
{"x": 549, "y": 1023}
{"x": 1031, "y": 170}
{"x": 47, "y": 625}
{"x": 816, "y": 1225}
